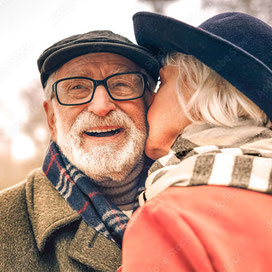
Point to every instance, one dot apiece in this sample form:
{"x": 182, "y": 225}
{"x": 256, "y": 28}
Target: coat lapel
{"x": 49, "y": 212}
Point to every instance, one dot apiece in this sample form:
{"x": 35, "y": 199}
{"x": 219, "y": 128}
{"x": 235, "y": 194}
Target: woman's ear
{"x": 51, "y": 119}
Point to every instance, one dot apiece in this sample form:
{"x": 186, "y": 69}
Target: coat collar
{"x": 49, "y": 212}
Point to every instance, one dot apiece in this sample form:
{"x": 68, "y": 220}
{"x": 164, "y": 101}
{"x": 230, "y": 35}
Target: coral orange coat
{"x": 201, "y": 228}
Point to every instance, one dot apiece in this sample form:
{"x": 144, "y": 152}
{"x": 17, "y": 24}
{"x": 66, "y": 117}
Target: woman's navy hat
{"x": 236, "y": 45}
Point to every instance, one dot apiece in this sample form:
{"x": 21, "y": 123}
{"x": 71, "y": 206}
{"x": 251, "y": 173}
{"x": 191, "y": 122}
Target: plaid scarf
{"x": 83, "y": 195}
{"x": 247, "y": 164}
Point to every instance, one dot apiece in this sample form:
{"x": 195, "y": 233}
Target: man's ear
{"x": 51, "y": 119}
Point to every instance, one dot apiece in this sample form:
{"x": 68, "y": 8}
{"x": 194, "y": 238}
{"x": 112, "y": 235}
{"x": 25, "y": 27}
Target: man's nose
{"x": 101, "y": 103}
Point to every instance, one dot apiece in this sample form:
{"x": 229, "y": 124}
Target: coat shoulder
{"x": 12, "y": 204}
{"x": 13, "y": 199}
{"x": 16, "y": 235}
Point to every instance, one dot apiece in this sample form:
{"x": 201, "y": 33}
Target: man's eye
{"x": 117, "y": 84}
{"x": 76, "y": 87}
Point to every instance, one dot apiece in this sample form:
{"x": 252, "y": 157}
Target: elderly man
{"x": 71, "y": 214}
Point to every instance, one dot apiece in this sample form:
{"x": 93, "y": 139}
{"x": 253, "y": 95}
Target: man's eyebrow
{"x": 124, "y": 69}
{"x": 77, "y": 74}
{"x": 117, "y": 70}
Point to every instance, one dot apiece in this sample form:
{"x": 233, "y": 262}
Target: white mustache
{"x": 87, "y": 120}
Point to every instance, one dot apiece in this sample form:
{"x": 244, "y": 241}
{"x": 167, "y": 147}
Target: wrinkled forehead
{"x": 107, "y": 63}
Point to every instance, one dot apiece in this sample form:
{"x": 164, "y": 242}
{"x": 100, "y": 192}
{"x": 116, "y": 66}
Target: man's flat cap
{"x": 95, "y": 41}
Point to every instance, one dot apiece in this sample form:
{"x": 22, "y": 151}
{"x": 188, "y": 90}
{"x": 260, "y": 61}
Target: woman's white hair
{"x": 213, "y": 99}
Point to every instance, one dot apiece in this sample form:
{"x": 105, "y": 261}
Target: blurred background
{"x": 30, "y": 26}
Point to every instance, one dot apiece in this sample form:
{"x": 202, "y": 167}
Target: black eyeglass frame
{"x": 96, "y": 83}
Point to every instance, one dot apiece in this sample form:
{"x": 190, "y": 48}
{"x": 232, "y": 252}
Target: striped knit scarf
{"x": 246, "y": 164}
{"x": 83, "y": 196}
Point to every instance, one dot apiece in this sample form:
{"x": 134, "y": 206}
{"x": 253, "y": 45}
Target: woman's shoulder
{"x": 211, "y": 225}
{"x": 211, "y": 207}
{"x": 211, "y": 196}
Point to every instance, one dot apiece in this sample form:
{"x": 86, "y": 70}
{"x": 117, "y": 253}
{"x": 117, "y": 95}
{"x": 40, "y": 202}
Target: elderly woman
{"x": 207, "y": 203}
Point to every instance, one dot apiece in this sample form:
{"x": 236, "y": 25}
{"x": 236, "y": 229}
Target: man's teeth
{"x": 101, "y": 130}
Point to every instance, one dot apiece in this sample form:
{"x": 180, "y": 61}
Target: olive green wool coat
{"x": 40, "y": 232}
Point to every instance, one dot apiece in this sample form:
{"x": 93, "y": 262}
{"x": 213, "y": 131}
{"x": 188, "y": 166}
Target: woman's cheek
{"x": 155, "y": 147}
{"x": 158, "y": 142}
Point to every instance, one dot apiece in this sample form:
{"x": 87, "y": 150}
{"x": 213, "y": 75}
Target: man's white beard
{"x": 103, "y": 161}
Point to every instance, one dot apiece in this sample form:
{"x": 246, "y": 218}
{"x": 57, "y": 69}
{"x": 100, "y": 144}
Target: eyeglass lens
{"x": 120, "y": 87}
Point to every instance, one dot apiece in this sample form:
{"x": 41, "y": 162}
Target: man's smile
{"x": 104, "y": 132}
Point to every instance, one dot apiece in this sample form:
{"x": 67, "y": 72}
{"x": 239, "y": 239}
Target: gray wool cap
{"x": 95, "y": 41}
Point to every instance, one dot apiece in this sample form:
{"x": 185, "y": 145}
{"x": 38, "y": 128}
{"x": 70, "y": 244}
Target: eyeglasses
{"x": 74, "y": 91}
